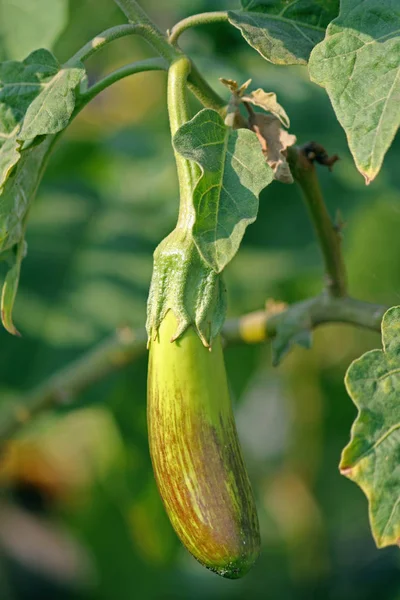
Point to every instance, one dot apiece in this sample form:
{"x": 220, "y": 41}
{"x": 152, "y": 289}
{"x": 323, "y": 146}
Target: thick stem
{"x": 328, "y": 235}
{"x": 220, "y": 16}
{"x": 148, "y": 29}
{"x": 204, "y": 92}
{"x": 178, "y": 112}
{"x": 128, "y": 345}
{"x": 198, "y": 86}
{"x": 150, "y": 64}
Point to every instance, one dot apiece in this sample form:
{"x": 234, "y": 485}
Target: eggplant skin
{"x": 195, "y": 451}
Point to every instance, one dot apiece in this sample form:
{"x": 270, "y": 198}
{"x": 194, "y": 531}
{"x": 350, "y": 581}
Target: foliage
{"x": 284, "y": 32}
{"x": 104, "y": 207}
{"x": 225, "y": 199}
{"x": 359, "y": 64}
{"x": 371, "y": 458}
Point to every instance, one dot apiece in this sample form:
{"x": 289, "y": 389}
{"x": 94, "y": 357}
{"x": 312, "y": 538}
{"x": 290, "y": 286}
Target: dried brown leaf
{"x": 268, "y": 102}
{"x": 274, "y": 141}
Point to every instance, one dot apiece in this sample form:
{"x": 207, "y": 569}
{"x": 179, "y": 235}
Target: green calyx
{"x": 183, "y": 283}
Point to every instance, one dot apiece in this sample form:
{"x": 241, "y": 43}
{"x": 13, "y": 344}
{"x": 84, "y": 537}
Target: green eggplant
{"x": 195, "y": 451}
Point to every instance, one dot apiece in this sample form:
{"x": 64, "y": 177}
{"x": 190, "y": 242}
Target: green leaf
{"x": 284, "y": 31}
{"x": 29, "y": 24}
{"x": 359, "y": 65}
{"x": 10, "y": 287}
{"x": 52, "y": 109}
{"x": 234, "y": 172}
{"x": 20, "y": 83}
{"x": 9, "y": 156}
{"x": 372, "y": 458}
{"x": 19, "y": 191}
{"x": 36, "y": 98}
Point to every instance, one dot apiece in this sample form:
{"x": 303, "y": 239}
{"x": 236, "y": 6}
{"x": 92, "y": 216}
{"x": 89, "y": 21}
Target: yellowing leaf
{"x": 372, "y": 458}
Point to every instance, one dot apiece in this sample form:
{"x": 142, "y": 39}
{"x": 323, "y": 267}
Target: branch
{"x": 327, "y": 233}
{"x": 127, "y": 345}
{"x": 136, "y": 15}
{"x": 141, "y": 66}
{"x": 200, "y": 88}
{"x": 220, "y": 16}
{"x": 102, "y": 39}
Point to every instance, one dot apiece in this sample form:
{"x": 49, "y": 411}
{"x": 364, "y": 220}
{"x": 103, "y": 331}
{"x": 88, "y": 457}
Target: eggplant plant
{"x": 226, "y": 154}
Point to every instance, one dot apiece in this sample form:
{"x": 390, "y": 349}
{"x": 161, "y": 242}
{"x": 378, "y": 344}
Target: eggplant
{"x": 195, "y": 451}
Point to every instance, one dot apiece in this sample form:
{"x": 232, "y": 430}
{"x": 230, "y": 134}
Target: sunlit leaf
{"x": 10, "y": 287}
{"x": 19, "y": 191}
{"x": 282, "y": 31}
{"x": 9, "y": 156}
{"x": 52, "y": 109}
{"x": 20, "y": 83}
{"x": 36, "y": 98}
{"x": 234, "y": 172}
{"x": 372, "y": 458}
{"x": 359, "y": 65}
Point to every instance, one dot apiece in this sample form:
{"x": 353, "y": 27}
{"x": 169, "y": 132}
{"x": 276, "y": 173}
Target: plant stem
{"x": 220, "y": 16}
{"x": 204, "y": 92}
{"x": 328, "y": 235}
{"x": 150, "y": 64}
{"x": 102, "y": 39}
{"x": 198, "y": 86}
{"x": 136, "y": 15}
{"x": 178, "y": 112}
{"x": 127, "y": 345}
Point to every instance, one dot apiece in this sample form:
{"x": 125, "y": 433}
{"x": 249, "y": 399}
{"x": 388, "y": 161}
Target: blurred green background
{"x": 80, "y": 516}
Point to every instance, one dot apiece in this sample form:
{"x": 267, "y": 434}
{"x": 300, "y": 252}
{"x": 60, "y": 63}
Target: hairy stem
{"x": 178, "y": 112}
{"x": 141, "y": 66}
{"x": 198, "y": 86}
{"x": 127, "y": 345}
{"x": 204, "y": 92}
{"x": 102, "y": 39}
{"x": 220, "y": 16}
{"x": 136, "y": 15}
{"x": 328, "y": 235}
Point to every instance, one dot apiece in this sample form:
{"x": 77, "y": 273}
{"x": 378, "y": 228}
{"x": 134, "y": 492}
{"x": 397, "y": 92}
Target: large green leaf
{"x": 372, "y": 458}
{"x": 52, "y": 109}
{"x": 19, "y": 191}
{"x": 234, "y": 172}
{"x": 359, "y": 65}
{"x": 10, "y": 288}
{"x": 15, "y": 199}
{"x": 36, "y": 98}
{"x": 284, "y": 31}
{"x": 29, "y": 24}
{"x": 20, "y": 83}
